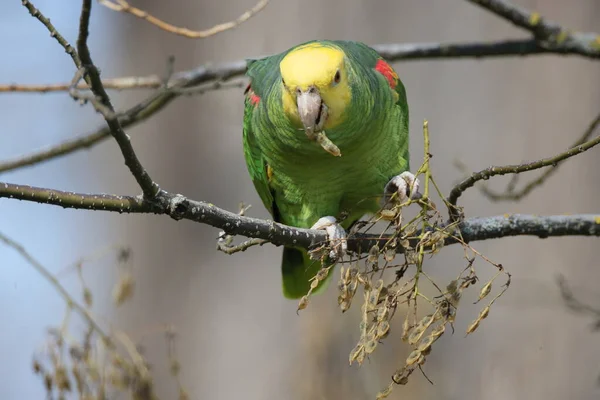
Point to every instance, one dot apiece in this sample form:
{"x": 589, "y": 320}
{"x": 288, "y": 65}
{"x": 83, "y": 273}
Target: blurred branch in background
{"x": 104, "y": 361}
{"x": 510, "y": 193}
{"x": 125, "y": 7}
{"x": 581, "y": 145}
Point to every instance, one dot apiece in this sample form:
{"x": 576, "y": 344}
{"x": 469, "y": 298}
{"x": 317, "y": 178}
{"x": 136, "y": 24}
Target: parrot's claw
{"x": 336, "y": 235}
{"x": 405, "y": 185}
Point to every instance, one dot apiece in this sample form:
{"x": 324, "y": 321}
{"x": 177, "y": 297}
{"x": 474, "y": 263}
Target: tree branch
{"x": 124, "y": 6}
{"x": 179, "y": 207}
{"x": 391, "y": 52}
{"x": 487, "y": 173}
{"x": 548, "y": 34}
{"x": 511, "y": 195}
{"x": 149, "y": 187}
{"x": 138, "y": 113}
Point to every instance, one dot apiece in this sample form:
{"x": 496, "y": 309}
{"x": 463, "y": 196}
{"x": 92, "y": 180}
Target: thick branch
{"x": 179, "y": 207}
{"x": 549, "y": 34}
{"x": 487, "y": 173}
{"x": 392, "y": 52}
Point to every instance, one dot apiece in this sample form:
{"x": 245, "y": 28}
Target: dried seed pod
{"x": 421, "y": 360}
{"x": 314, "y": 284}
{"x": 385, "y": 392}
{"x": 362, "y": 279}
{"x": 413, "y": 357}
{"x": 437, "y": 331}
{"x": 370, "y": 346}
{"x": 485, "y": 290}
{"x": 403, "y": 380}
{"x": 345, "y": 305}
{"x": 452, "y": 286}
{"x": 406, "y": 330}
{"x": 425, "y": 344}
{"x": 362, "y": 326}
{"x": 388, "y": 215}
{"x": 473, "y": 326}
{"x": 383, "y": 329}
{"x": 355, "y": 352}
{"x": 382, "y": 313}
{"x": 373, "y": 255}
{"x": 352, "y": 288}
{"x": 415, "y": 335}
{"x": 303, "y": 303}
{"x": 410, "y": 230}
{"x": 327, "y": 144}
{"x": 389, "y": 254}
{"x": 484, "y": 313}
{"x": 123, "y": 291}
{"x": 322, "y": 274}
{"x": 426, "y": 321}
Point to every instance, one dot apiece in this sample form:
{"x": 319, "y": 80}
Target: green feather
{"x": 306, "y": 182}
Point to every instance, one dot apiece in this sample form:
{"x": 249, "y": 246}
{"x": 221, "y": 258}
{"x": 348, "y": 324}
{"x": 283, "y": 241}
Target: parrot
{"x": 325, "y": 139}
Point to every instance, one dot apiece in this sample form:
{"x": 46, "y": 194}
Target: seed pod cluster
{"x": 347, "y": 285}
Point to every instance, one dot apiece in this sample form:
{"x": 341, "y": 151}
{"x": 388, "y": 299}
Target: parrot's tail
{"x": 297, "y": 269}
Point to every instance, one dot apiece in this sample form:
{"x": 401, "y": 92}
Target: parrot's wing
{"x": 257, "y": 166}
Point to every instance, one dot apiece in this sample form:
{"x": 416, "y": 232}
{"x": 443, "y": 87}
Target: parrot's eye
{"x": 337, "y": 77}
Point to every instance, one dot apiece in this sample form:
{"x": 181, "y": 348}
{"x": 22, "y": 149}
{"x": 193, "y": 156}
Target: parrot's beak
{"x": 311, "y": 109}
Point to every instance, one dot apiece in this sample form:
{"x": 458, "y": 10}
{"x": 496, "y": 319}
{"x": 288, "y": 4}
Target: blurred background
{"x": 238, "y": 337}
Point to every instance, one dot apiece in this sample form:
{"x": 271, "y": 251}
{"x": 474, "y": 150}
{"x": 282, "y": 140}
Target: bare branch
{"x": 125, "y": 7}
{"x": 392, "y": 52}
{"x": 511, "y": 195}
{"x": 548, "y": 34}
{"x": 149, "y": 187}
{"x": 140, "y": 112}
{"x": 53, "y": 32}
{"x": 179, "y": 207}
{"x": 487, "y": 173}
{"x": 227, "y": 248}
{"x": 131, "y": 82}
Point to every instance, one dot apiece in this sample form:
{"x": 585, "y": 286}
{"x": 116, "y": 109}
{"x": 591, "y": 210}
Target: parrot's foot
{"x": 405, "y": 185}
{"x": 336, "y": 235}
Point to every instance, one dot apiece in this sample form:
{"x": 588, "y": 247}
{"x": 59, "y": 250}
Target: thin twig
{"x": 229, "y": 249}
{"x": 509, "y": 194}
{"x": 70, "y": 50}
{"x": 125, "y": 7}
{"x": 43, "y": 271}
{"x": 487, "y": 173}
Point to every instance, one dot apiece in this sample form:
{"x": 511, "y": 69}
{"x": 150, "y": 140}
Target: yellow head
{"x": 315, "y": 86}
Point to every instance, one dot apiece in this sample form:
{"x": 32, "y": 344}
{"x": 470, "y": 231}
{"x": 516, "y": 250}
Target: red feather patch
{"x": 388, "y": 72}
{"x": 253, "y": 97}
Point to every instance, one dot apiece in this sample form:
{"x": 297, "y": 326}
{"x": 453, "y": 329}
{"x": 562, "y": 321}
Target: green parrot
{"x": 325, "y": 135}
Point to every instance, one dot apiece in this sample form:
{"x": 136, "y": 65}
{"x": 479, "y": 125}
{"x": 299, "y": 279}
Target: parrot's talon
{"x": 335, "y": 234}
{"x": 405, "y": 185}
